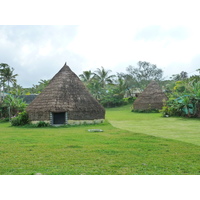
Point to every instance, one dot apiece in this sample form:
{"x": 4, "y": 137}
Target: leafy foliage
{"x": 177, "y": 77}
{"x": 15, "y": 105}
{"x": 108, "y": 89}
{"x": 112, "y": 97}
{"x": 146, "y": 111}
{"x": 42, "y": 124}
{"x": 2, "y": 120}
{"x": 144, "y": 73}
{"x": 20, "y": 120}
{"x": 38, "y": 88}
{"x": 103, "y": 77}
{"x": 184, "y": 100}
{"x": 87, "y": 76}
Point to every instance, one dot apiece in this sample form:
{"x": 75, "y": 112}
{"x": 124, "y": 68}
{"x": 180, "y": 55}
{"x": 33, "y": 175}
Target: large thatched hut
{"x": 65, "y": 101}
{"x": 151, "y": 98}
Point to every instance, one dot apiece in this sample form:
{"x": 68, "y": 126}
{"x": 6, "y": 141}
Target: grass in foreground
{"x": 74, "y": 150}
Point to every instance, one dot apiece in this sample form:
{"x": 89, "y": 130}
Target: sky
{"x": 112, "y": 34}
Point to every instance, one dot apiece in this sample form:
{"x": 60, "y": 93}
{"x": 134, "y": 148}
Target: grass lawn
{"x": 178, "y": 128}
{"x": 74, "y": 150}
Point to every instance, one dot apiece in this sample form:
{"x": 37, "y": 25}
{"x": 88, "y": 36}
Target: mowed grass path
{"x": 177, "y": 128}
{"x": 75, "y": 151}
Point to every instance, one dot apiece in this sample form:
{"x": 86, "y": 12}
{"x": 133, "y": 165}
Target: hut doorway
{"x": 59, "y": 118}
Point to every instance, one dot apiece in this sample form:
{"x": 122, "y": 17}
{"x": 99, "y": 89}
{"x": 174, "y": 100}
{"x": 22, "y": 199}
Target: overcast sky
{"x": 116, "y": 35}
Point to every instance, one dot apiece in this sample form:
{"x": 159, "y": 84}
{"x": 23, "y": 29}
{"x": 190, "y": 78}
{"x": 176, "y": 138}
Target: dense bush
{"x": 129, "y": 100}
{"x": 11, "y": 106}
{"x": 4, "y": 120}
{"x": 146, "y": 111}
{"x": 116, "y": 100}
{"x": 186, "y": 103}
{"x": 42, "y": 124}
{"x": 3, "y": 111}
{"x": 20, "y": 120}
{"x": 188, "y": 106}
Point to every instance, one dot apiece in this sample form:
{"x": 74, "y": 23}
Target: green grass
{"x": 178, "y": 128}
{"x": 74, "y": 150}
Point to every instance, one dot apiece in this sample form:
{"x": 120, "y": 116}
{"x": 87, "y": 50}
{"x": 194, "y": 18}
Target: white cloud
{"x": 103, "y": 45}
{"x": 119, "y": 46}
{"x": 113, "y": 34}
{"x": 45, "y": 49}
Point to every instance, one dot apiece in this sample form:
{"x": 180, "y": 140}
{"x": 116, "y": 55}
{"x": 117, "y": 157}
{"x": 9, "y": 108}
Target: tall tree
{"x": 3, "y": 67}
{"x": 8, "y": 75}
{"x": 178, "y": 77}
{"x": 95, "y": 89}
{"x": 125, "y": 83}
{"x": 144, "y": 73}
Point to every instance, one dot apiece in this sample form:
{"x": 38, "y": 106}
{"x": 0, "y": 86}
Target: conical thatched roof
{"x": 65, "y": 93}
{"x": 151, "y": 98}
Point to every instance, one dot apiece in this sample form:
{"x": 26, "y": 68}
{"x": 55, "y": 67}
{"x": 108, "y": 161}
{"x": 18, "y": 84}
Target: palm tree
{"x": 3, "y": 66}
{"x": 95, "y": 89}
{"x": 186, "y": 102}
{"x": 17, "y": 90}
{"x": 86, "y": 76}
{"x": 103, "y": 77}
{"x": 9, "y": 76}
{"x": 44, "y": 82}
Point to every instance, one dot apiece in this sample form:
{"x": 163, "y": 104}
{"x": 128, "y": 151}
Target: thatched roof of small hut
{"x": 151, "y": 98}
{"x": 66, "y": 93}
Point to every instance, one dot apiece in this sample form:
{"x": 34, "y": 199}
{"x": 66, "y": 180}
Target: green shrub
{"x": 20, "y": 120}
{"x": 146, "y": 111}
{"x": 4, "y": 120}
{"x": 182, "y": 106}
{"x": 129, "y": 100}
{"x": 15, "y": 121}
{"x": 42, "y": 124}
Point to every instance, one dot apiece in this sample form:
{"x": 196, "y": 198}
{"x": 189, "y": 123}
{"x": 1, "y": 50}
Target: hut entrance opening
{"x": 59, "y": 118}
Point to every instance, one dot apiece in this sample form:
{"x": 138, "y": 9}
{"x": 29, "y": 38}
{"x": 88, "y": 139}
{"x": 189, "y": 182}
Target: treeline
{"x": 112, "y": 89}
{"x": 109, "y": 89}
{"x": 115, "y": 90}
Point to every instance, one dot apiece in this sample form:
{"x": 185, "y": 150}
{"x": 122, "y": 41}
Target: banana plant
{"x": 186, "y": 104}
{"x": 15, "y": 105}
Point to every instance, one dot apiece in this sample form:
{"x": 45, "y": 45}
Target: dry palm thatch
{"x": 151, "y": 98}
{"x": 65, "y": 93}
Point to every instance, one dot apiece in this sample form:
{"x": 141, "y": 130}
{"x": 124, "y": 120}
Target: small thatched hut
{"x": 65, "y": 101}
{"x": 151, "y": 98}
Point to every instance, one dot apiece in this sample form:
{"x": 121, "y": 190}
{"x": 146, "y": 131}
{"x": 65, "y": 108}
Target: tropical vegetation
{"x": 184, "y": 98}
{"x": 112, "y": 90}
{"x": 9, "y": 104}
